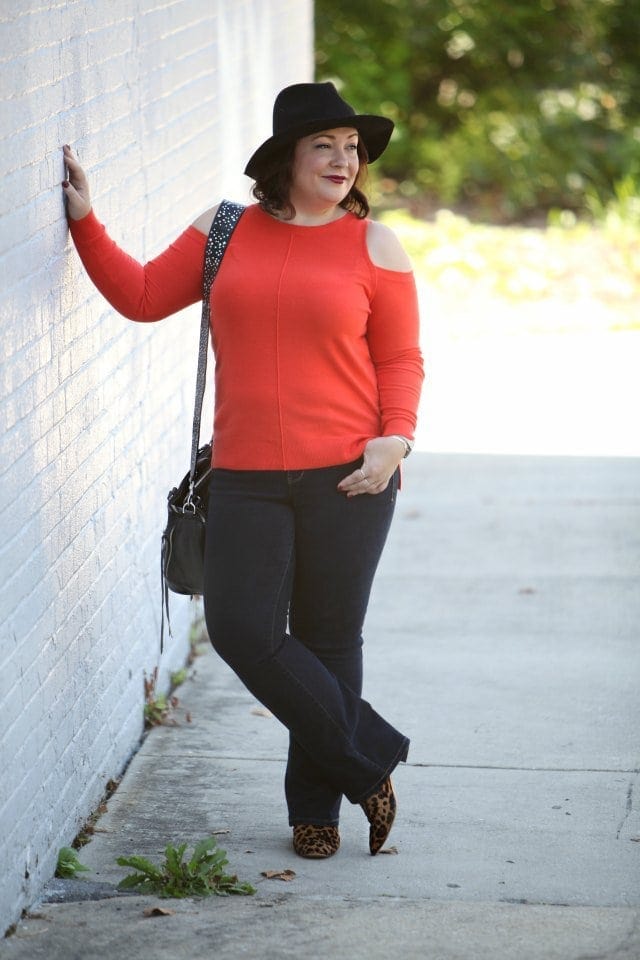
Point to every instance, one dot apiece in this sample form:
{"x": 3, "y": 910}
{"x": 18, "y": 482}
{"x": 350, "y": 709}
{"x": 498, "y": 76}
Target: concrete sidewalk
{"x": 503, "y": 638}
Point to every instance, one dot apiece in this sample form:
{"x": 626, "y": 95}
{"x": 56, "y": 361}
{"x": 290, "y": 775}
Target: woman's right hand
{"x": 76, "y": 188}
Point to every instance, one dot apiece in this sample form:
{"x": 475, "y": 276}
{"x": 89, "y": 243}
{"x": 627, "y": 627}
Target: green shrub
{"x": 502, "y": 109}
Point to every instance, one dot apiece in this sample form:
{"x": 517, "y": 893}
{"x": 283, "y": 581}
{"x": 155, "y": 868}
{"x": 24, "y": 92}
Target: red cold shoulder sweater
{"x": 316, "y": 348}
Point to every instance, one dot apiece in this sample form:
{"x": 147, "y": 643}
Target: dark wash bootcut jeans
{"x": 289, "y": 564}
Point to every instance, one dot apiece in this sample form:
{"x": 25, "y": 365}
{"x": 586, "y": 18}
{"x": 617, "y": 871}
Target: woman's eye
{"x": 352, "y": 147}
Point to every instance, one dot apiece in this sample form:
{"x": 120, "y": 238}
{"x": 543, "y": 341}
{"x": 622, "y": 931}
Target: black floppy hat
{"x": 305, "y": 108}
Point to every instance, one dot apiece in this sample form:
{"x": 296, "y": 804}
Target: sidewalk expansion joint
{"x": 233, "y": 758}
{"x": 490, "y": 766}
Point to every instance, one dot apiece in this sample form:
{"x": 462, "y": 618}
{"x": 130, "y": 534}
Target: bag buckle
{"x": 189, "y": 506}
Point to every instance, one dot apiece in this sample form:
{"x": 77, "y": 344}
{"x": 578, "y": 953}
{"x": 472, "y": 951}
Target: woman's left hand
{"x": 380, "y": 461}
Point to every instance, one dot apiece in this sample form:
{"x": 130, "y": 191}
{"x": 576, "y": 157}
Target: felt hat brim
{"x": 375, "y": 132}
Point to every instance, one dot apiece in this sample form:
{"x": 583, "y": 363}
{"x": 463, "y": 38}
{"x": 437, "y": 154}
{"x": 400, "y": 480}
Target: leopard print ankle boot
{"x": 380, "y": 810}
{"x": 315, "y": 841}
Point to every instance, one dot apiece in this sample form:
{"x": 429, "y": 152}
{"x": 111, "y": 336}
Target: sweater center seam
{"x": 283, "y": 269}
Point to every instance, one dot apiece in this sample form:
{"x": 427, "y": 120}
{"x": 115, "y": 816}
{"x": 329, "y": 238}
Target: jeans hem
{"x": 400, "y": 757}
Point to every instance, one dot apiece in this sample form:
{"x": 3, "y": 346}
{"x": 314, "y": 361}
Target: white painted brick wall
{"x": 164, "y": 101}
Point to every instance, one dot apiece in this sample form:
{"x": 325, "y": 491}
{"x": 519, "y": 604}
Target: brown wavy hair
{"x": 273, "y": 186}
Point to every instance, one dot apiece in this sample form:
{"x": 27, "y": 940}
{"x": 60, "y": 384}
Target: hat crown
{"x": 304, "y": 103}
{"x": 306, "y": 108}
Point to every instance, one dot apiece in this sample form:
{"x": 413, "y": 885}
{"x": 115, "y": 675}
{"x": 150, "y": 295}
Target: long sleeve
{"x": 164, "y": 285}
{"x": 393, "y": 336}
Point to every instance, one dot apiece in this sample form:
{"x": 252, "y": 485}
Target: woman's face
{"x": 325, "y": 166}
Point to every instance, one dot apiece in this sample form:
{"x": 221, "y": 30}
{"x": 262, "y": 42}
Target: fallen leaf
{"x": 388, "y": 850}
{"x": 262, "y": 712}
{"x": 218, "y": 833}
{"x": 526, "y": 590}
{"x": 634, "y": 839}
{"x": 279, "y": 874}
{"x": 158, "y": 912}
{"x": 187, "y": 716}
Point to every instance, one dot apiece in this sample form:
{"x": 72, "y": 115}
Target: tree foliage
{"x": 503, "y": 107}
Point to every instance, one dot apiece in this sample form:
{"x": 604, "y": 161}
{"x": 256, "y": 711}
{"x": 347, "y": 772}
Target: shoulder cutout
{"x": 385, "y": 250}
{"x": 204, "y": 221}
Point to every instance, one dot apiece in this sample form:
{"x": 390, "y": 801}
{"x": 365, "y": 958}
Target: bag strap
{"x": 224, "y": 223}
{"x": 222, "y": 227}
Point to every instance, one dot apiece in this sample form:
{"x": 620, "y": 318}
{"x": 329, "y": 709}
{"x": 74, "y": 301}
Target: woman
{"x": 314, "y": 326}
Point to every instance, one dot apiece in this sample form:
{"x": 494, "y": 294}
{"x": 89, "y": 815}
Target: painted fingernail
{"x": 65, "y": 184}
